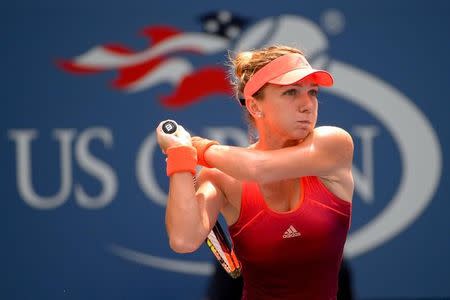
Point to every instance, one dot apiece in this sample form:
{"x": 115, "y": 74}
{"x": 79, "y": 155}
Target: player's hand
{"x": 179, "y": 138}
{"x": 201, "y": 145}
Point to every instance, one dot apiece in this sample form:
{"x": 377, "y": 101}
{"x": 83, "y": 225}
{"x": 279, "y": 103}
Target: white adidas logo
{"x": 291, "y": 232}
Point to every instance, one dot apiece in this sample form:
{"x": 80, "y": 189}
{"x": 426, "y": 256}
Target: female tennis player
{"x": 286, "y": 198}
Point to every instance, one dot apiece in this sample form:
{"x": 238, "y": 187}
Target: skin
{"x": 289, "y": 147}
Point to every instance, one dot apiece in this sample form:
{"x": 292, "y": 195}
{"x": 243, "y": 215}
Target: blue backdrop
{"x": 85, "y": 84}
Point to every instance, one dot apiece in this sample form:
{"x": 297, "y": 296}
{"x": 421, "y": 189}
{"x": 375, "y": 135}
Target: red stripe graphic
{"x": 118, "y": 49}
{"x": 131, "y": 74}
{"x": 202, "y": 83}
{"x": 159, "y": 33}
{"x": 74, "y": 68}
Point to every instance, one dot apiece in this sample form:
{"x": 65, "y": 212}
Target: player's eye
{"x": 313, "y": 92}
{"x": 290, "y": 92}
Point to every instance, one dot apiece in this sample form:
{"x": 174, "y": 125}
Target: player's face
{"x": 291, "y": 110}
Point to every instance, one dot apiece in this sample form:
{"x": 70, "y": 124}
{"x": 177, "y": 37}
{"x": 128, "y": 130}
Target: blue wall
{"x": 83, "y": 185}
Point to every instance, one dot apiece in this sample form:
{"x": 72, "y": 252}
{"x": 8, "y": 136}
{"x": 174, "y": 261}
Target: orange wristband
{"x": 202, "y": 145}
{"x": 181, "y": 159}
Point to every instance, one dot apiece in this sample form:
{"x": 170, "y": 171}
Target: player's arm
{"x": 190, "y": 214}
{"x": 324, "y": 152}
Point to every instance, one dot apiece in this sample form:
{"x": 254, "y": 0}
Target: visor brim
{"x": 321, "y": 77}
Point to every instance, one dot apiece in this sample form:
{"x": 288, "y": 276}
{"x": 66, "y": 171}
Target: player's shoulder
{"x": 333, "y": 134}
{"x": 331, "y": 131}
{"x": 334, "y": 140}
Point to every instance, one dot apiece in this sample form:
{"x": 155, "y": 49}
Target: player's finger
{"x": 181, "y": 130}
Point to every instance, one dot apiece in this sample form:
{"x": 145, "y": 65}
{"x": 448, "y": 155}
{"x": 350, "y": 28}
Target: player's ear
{"x": 254, "y": 107}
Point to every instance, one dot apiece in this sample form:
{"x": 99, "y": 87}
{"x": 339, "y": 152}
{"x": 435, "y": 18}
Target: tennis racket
{"x": 217, "y": 240}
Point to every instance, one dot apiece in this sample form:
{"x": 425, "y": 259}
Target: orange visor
{"x": 284, "y": 70}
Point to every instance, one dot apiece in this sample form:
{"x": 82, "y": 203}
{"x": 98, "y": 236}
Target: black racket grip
{"x": 169, "y": 127}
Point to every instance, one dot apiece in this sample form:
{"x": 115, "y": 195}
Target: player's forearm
{"x": 183, "y": 218}
{"x": 240, "y": 163}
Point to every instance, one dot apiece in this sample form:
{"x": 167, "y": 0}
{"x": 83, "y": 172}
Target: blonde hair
{"x": 246, "y": 63}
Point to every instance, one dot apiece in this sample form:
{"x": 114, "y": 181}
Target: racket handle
{"x": 169, "y": 127}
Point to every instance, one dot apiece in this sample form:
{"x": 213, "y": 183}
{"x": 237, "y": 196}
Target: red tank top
{"x": 295, "y": 254}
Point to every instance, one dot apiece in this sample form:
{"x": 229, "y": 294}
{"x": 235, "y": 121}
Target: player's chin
{"x": 301, "y": 132}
